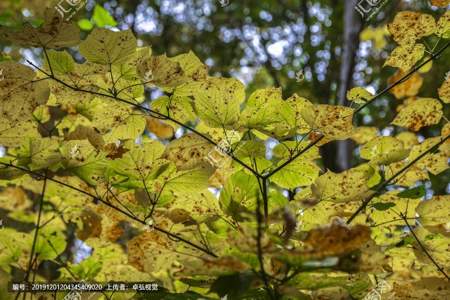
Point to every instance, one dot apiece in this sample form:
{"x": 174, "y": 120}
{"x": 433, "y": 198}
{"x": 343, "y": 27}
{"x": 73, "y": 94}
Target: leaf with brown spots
{"x": 104, "y": 46}
{"x": 350, "y": 185}
{"x": 334, "y": 122}
{"x": 405, "y": 56}
{"x": 408, "y": 26}
{"x": 335, "y": 239}
{"x": 53, "y": 34}
{"x": 217, "y": 101}
{"x": 420, "y": 113}
{"x": 444, "y": 91}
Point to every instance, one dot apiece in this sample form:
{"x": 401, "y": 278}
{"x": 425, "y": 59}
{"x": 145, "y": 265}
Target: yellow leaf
{"x": 435, "y": 214}
{"x": 420, "y": 113}
{"x": 444, "y": 91}
{"x": 427, "y": 67}
{"x": 217, "y": 100}
{"x": 188, "y": 151}
{"x": 409, "y": 26}
{"x": 435, "y": 163}
{"x": 377, "y": 35}
{"x": 405, "y": 56}
{"x": 359, "y": 95}
{"x": 335, "y": 239}
{"x": 350, "y": 185}
{"x": 364, "y": 134}
{"x": 440, "y": 3}
{"x": 104, "y": 46}
{"x": 384, "y": 150}
{"x": 159, "y": 128}
{"x": 334, "y": 122}
{"x": 443, "y": 25}
{"x": 409, "y": 139}
{"x": 408, "y": 88}
{"x": 266, "y": 111}
{"x": 300, "y": 104}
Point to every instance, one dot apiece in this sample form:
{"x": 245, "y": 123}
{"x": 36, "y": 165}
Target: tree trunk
{"x": 350, "y": 45}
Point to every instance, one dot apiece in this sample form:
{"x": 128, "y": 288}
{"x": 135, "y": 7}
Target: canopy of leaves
{"x": 209, "y": 188}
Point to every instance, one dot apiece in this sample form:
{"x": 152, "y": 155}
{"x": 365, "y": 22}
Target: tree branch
{"x": 423, "y": 247}
{"x": 388, "y": 181}
{"x": 96, "y": 198}
{"x": 147, "y": 110}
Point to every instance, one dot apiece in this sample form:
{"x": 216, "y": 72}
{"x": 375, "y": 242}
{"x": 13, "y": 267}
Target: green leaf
{"x": 383, "y": 205}
{"x": 61, "y": 62}
{"x": 414, "y": 193}
{"x": 85, "y": 24}
{"x": 297, "y": 173}
{"x": 102, "y": 17}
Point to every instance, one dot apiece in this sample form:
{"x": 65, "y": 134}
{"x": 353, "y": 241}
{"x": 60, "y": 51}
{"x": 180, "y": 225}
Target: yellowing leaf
{"x": 427, "y": 67}
{"x": 53, "y": 34}
{"x": 435, "y": 214}
{"x": 141, "y": 162}
{"x": 162, "y": 71}
{"x": 199, "y": 205}
{"x": 443, "y": 25}
{"x": 39, "y": 153}
{"x": 350, "y": 185}
{"x": 217, "y": 100}
{"x": 435, "y": 163}
{"x": 192, "y": 66}
{"x": 408, "y": 88}
{"x": 60, "y": 61}
{"x": 335, "y": 122}
{"x": 19, "y": 97}
{"x": 444, "y": 91}
{"x": 299, "y": 105}
{"x": 377, "y": 35}
{"x": 265, "y": 110}
{"x": 408, "y": 26}
{"x": 384, "y": 150}
{"x": 334, "y": 240}
{"x": 129, "y": 128}
{"x": 420, "y": 113}
{"x": 107, "y": 47}
{"x": 405, "y": 56}
{"x": 297, "y": 173}
{"x": 159, "y": 128}
{"x": 179, "y": 108}
{"x": 440, "y": 3}
{"x": 359, "y": 95}
{"x": 363, "y": 134}
{"x": 188, "y": 151}
{"x": 390, "y": 216}
{"x": 437, "y": 245}
{"x": 409, "y": 139}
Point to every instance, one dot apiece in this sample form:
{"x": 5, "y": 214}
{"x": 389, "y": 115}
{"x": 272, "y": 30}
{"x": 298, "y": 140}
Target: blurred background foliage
{"x": 265, "y": 43}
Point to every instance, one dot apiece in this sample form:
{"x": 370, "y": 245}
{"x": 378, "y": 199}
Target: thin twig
{"x": 147, "y": 110}
{"x": 96, "y": 198}
{"x": 423, "y": 247}
{"x": 404, "y": 78}
{"x": 388, "y": 181}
